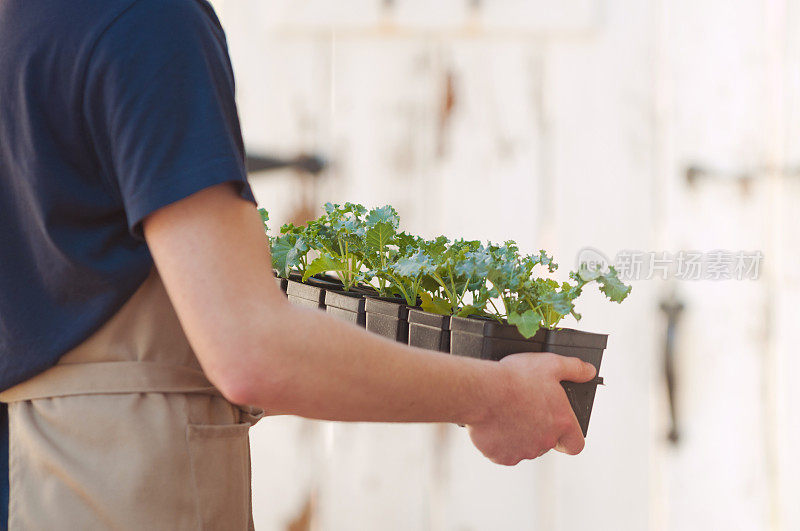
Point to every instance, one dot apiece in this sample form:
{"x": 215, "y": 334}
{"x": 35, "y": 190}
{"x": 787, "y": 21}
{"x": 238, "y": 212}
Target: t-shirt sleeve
{"x": 160, "y": 109}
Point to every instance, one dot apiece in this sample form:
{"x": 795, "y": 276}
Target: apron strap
{"x": 117, "y": 377}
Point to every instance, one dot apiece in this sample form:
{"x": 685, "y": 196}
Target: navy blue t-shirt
{"x": 109, "y": 110}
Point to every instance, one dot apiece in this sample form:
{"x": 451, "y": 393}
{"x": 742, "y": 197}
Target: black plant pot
{"x": 310, "y": 293}
{"x": 491, "y": 340}
{"x": 388, "y": 317}
{"x": 281, "y": 282}
{"x": 347, "y": 305}
{"x": 305, "y": 294}
{"x": 584, "y": 345}
{"x": 428, "y": 330}
{"x": 588, "y": 347}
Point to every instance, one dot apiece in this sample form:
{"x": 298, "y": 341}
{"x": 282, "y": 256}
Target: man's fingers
{"x": 572, "y": 441}
{"x": 575, "y": 370}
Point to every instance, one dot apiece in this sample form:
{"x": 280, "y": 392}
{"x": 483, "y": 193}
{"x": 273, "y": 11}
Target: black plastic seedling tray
{"x": 491, "y": 340}
{"x": 310, "y": 293}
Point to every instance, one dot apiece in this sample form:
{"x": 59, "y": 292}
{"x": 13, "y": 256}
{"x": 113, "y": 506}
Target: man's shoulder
{"x": 164, "y": 13}
{"x": 88, "y": 20}
{"x": 160, "y": 24}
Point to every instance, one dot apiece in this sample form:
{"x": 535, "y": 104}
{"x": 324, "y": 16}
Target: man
{"x": 135, "y": 308}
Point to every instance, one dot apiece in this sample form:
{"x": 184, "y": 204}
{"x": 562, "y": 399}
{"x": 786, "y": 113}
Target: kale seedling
{"x": 532, "y": 302}
{"x": 461, "y": 278}
{"x": 339, "y": 237}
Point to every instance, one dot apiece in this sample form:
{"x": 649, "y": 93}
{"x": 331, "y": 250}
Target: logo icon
{"x": 592, "y": 259}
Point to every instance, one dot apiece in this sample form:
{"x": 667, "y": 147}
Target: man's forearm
{"x": 257, "y": 348}
{"x": 319, "y": 367}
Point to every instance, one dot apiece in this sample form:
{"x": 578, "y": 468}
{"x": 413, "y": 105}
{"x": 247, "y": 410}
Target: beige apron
{"x": 125, "y": 432}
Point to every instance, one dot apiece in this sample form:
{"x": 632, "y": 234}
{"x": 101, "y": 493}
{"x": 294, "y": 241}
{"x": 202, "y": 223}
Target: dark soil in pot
{"x": 367, "y": 291}
{"x": 320, "y": 282}
{"x": 332, "y": 283}
{"x": 388, "y": 317}
{"x": 347, "y": 305}
{"x": 491, "y": 340}
{"x": 428, "y": 330}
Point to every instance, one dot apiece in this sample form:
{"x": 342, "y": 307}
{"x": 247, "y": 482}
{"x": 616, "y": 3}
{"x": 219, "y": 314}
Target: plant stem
{"x": 443, "y": 284}
{"x": 454, "y": 297}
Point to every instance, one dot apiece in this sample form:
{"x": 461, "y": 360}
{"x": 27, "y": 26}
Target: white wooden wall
{"x": 573, "y": 123}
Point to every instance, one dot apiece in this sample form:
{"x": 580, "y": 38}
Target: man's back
{"x": 85, "y": 90}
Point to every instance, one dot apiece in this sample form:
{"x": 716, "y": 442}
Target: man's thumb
{"x": 575, "y": 370}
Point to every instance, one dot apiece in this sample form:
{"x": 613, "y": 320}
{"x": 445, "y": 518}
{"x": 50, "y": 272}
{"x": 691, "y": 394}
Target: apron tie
{"x": 119, "y": 377}
{"x": 115, "y": 377}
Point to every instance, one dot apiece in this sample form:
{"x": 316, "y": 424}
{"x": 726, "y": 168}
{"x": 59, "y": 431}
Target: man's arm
{"x": 212, "y": 254}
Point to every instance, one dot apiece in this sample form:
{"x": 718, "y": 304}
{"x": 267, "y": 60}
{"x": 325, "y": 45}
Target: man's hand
{"x": 534, "y": 414}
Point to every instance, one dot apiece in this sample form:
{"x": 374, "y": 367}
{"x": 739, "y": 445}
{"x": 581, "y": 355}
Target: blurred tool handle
{"x": 311, "y": 164}
{"x": 672, "y": 309}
